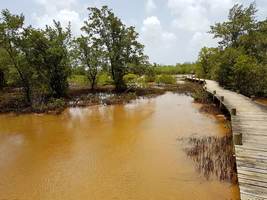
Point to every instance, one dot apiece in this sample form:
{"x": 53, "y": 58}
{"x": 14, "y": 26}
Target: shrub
{"x": 165, "y": 79}
{"x": 79, "y": 80}
{"x": 133, "y": 80}
{"x": 200, "y": 95}
{"x": 150, "y": 78}
{"x": 104, "y": 79}
{"x": 130, "y": 78}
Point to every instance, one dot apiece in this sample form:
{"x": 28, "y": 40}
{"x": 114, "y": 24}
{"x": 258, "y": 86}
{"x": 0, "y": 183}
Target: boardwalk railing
{"x": 249, "y": 129}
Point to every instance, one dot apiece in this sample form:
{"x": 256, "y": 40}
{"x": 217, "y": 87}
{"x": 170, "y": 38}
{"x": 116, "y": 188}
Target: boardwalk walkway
{"x": 250, "y": 122}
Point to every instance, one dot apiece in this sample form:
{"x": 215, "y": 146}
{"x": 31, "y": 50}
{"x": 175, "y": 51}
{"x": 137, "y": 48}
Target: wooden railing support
{"x": 233, "y": 111}
{"x": 237, "y": 137}
{"x": 221, "y": 104}
{"x": 214, "y": 93}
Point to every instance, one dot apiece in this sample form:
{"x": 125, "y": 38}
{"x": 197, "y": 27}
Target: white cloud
{"x": 150, "y": 6}
{"x": 59, "y": 10}
{"x": 50, "y": 5}
{"x": 156, "y": 39}
{"x": 195, "y": 15}
{"x": 199, "y": 40}
{"x": 191, "y": 20}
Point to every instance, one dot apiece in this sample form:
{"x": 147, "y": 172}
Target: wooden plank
{"x": 251, "y": 157}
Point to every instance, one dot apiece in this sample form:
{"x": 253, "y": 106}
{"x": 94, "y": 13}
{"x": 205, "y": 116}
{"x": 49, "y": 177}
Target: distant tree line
{"x": 179, "y": 68}
{"x": 40, "y": 61}
{"x": 240, "y": 60}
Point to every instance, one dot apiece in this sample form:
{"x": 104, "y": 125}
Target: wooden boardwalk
{"x": 249, "y": 128}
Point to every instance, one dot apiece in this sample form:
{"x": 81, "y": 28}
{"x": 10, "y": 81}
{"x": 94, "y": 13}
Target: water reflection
{"x": 108, "y": 152}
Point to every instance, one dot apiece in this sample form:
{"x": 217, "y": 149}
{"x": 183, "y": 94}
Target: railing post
{"x": 214, "y": 93}
{"x": 237, "y": 137}
{"x": 233, "y": 111}
{"x": 222, "y": 99}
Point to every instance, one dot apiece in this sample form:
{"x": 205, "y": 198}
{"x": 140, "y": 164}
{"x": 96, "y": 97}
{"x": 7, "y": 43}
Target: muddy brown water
{"x": 122, "y": 152}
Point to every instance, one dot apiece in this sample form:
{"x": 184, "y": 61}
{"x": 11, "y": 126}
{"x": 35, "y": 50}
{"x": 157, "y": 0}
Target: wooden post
{"x": 222, "y": 99}
{"x": 233, "y": 111}
{"x": 237, "y": 138}
{"x": 214, "y": 93}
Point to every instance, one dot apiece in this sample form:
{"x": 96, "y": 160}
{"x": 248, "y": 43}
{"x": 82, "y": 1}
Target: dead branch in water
{"x": 213, "y": 156}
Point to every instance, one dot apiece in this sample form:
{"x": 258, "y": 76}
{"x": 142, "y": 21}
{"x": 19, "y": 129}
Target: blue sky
{"x": 172, "y": 30}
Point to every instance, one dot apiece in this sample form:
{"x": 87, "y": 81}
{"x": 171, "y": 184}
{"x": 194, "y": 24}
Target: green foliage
{"x": 133, "y": 80}
{"x": 58, "y": 58}
{"x": 240, "y": 21}
{"x": 120, "y": 42}
{"x": 11, "y": 27}
{"x": 37, "y": 58}
{"x": 53, "y": 104}
{"x": 165, "y": 79}
{"x": 91, "y": 56}
{"x": 104, "y": 79}
{"x": 130, "y": 78}
{"x": 200, "y": 95}
{"x": 226, "y": 67}
{"x": 250, "y": 77}
{"x": 240, "y": 61}
{"x": 78, "y": 80}
{"x": 4, "y": 62}
{"x": 185, "y": 68}
{"x": 47, "y": 54}
{"x": 208, "y": 61}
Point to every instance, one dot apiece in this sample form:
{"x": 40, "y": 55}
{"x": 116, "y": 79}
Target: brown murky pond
{"x": 123, "y": 152}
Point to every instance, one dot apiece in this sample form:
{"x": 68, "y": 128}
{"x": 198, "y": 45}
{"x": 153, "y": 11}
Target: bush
{"x": 165, "y": 79}
{"x": 79, "y": 80}
{"x": 150, "y": 78}
{"x": 133, "y": 80}
{"x": 55, "y": 105}
{"x": 200, "y": 95}
{"x": 249, "y": 76}
{"x": 130, "y": 78}
{"x": 104, "y": 79}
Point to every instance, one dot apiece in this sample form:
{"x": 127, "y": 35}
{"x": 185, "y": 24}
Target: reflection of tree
{"x": 127, "y": 118}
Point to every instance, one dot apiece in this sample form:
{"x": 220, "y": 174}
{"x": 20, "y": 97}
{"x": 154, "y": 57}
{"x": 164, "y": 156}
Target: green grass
{"x": 104, "y": 79}
{"x": 79, "y": 80}
{"x": 165, "y": 79}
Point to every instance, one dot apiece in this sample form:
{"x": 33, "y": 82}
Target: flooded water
{"x": 122, "y": 152}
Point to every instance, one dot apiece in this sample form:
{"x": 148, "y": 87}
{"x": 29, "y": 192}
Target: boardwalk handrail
{"x": 249, "y": 129}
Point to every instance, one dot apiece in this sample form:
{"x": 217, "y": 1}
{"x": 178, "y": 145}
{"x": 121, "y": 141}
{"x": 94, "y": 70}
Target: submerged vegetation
{"x": 213, "y": 156}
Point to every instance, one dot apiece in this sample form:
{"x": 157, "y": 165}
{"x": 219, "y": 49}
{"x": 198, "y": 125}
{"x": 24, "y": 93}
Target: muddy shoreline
{"x": 11, "y": 100}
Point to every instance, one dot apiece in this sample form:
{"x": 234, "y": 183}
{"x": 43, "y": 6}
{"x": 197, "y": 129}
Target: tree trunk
{"x": 27, "y": 92}
{"x": 93, "y": 84}
{"x": 120, "y": 85}
{"x": 2, "y": 79}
